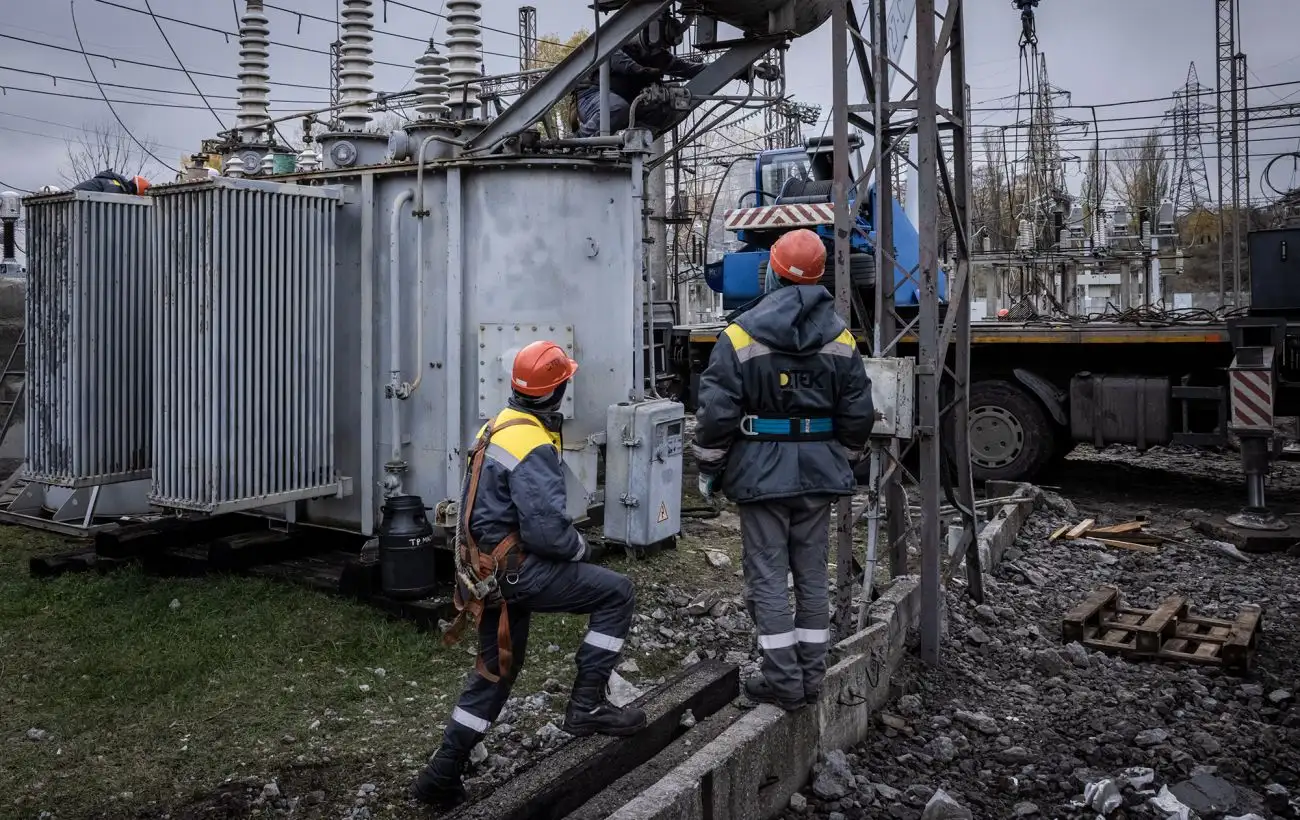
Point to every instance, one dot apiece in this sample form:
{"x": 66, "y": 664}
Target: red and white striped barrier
{"x": 779, "y": 216}
{"x": 1252, "y": 398}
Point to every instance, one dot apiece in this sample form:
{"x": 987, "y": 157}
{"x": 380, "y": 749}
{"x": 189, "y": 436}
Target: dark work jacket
{"x": 789, "y": 355}
{"x": 108, "y": 182}
{"x": 632, "y": 70}
{"x": 521, "y": 488}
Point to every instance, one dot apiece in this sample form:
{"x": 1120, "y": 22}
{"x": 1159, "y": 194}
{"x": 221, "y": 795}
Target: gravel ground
{"x": 1016, "y": 724}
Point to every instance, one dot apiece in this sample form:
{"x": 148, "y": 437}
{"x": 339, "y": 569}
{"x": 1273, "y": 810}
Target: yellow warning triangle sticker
{"x": 663, "y": 511}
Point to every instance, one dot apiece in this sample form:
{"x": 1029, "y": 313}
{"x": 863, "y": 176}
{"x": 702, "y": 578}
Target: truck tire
{"x": 1011, "y": 436}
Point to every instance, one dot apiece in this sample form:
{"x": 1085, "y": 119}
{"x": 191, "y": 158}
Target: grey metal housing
{"x": 89, "y": 393}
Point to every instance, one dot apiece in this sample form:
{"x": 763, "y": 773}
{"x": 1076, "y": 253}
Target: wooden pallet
{"x": 1170, "y": 632}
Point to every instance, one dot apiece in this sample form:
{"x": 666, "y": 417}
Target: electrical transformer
{"x": 643, "y": 472}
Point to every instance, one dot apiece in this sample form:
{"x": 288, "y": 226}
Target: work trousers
{"x": 589, "y": 112}
{"x": 544, "y": 586}
{"x": 782, "y": 537}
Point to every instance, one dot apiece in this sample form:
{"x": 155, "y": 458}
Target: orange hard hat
{"x": 540, "y": 368}
{"x": 141, "y": 184}
{"x": 800, "y": 257}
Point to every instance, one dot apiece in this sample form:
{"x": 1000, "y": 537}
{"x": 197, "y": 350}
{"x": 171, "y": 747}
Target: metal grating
{"x": 89, "y": 394}
{"x": 244, "y": 353}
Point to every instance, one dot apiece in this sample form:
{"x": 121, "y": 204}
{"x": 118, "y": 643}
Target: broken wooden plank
{"x": 1118, "y": 529}
{"x": 1079, "y": 529}
{"x": 1059, "y": 532}
{"x": 1238, "y": 651}
{"x": 1074, "y": 625}
{"x": 1125, "y": 545}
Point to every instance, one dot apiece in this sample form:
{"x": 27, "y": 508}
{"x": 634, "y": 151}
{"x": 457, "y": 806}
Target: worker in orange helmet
{"x": 517, "y": 553}
{"x": 111, "y": 182}
{"x": 784, "y": 408}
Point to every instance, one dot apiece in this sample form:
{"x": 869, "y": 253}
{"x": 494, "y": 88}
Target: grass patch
{"x": 142, "y": 703}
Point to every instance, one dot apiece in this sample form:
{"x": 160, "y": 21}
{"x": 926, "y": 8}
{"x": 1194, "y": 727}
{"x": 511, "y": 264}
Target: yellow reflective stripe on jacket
{"x": 513, "y": 444}
{"x": 746, "y": 346}
{"x": 844, "y": 345}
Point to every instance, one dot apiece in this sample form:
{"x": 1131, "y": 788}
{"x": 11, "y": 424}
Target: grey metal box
{"x": 643, "y": 472}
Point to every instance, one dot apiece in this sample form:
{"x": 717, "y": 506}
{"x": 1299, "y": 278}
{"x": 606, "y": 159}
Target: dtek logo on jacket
{"x": 803, "y": 380}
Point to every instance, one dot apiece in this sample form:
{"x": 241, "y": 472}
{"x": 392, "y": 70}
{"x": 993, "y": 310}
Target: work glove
{"x": 707, "y": 484}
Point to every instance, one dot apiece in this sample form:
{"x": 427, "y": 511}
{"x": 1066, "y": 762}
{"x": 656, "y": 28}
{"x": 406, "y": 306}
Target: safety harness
{"x": 479, "y": 572}
{"x": 787, "y": 428}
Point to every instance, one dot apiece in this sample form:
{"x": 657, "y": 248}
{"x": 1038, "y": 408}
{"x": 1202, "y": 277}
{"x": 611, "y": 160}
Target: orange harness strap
{"x": 485, "y": 566}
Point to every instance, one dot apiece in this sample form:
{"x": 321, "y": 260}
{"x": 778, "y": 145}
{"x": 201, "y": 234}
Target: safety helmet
{"x": 141, "y": 184}
{"x": 540, "y": 368}
{"x": 799, "y": 257}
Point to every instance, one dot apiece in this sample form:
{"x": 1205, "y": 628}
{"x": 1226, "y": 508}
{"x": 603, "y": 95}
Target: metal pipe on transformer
{"x": 367, "y": 324}
{"x": 638, "y": 276}
{"x": 421, "y": 212}
{"x": 395, "y": 391}
{"x": 455, "y": 324}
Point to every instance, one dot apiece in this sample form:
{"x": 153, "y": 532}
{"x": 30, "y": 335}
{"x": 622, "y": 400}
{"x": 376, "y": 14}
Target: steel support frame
{"x": 943, "y": 355}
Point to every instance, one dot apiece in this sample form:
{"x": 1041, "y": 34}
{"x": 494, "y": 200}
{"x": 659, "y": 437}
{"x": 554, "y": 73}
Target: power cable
{"x": 147, "y": 103}
{"x": 146, "y": 89}
{"x": 180, "y": 63}
{"x": 1170, "y": 98}
{"x": 116, "y": 60}
{"x": 14, "y": 188}
{"x": 72, "y": 7}
{"x": 229, "y": 34}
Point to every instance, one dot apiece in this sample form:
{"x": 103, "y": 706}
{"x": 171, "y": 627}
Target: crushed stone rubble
{"x": 1016, "y": 724}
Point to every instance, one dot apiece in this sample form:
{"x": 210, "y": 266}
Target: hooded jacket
{"x": 633, "y": 69}
{"x": 521, "y": 487}
{"x": 788, "y": 356}
{"x": 108, "y": 182}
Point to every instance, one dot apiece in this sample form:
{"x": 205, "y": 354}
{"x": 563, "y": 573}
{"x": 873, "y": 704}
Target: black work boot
{"x": 759, "y": 690}
{"x": 439, "y": 785}
{"x": 590, "y": 712}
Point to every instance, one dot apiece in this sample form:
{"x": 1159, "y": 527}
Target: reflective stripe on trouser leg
{"x": 764, "y": 530}
{"x": 482, "y": 700}
{"x": 810, "y": 520}
{"x": 587, "y": 589}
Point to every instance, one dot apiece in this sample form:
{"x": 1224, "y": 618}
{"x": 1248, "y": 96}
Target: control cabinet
{"x": 643, "y": 472}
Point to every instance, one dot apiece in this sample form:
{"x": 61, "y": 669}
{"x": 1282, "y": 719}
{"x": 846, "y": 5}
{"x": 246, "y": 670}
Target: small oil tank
{"x": 406, "y": 552}
{"x": 752, "y": 15}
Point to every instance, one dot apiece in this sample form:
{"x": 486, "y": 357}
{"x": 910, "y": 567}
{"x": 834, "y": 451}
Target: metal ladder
{"x": 11, "y": 405}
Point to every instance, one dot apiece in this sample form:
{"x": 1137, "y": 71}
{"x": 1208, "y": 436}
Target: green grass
{"x": 165, "y": 703}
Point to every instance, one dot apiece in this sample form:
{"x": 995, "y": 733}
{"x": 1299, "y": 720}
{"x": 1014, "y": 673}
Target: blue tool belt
{"x": 787, "y": 428}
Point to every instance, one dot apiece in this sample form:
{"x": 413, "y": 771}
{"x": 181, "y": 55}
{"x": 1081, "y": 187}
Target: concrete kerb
{"x": 750, "y": 771}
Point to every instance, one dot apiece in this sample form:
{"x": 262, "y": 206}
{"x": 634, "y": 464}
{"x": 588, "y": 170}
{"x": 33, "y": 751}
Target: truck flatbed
{"x": 1038, "y": 333}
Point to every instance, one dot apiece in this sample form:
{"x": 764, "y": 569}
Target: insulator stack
{"x": 268, "y": 164}
{"x": 235, "y": 167}
{"x": 307, "y": 159}
{"x": 356, "y": 65}
{"x": 431, "y": 81}
{"x": 465, "y": 54}
{"x": 254, "y": 72}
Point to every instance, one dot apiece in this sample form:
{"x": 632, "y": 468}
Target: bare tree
{"x": 1142, "y": 165}
{"x": 107, "y": 146}
{"x": 1096, "y": 184}
{"x": 550, "y": 51}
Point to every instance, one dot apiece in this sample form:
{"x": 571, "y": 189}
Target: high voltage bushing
{"x": 465, "y": 55}
{"x": 356, "y": 74}
{"x": 254, "y": 72}
{"x": 431, "y": 82}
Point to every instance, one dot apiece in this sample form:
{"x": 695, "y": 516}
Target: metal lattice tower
{"x": 254, "y": 73}
{"x": 1231, "y": 91}
{"x": 1046, "y": 176}
{"x": 356, "y": 64}
{"x": 941, "y": 350}
{"x": 465, "y": 56}
{"x": 431, "y": 84}
{"x": 1191, "y": 188}
{"x": 528, "y": 45}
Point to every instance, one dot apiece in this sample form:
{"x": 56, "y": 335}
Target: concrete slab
{"x": 578, "y": 772}
{"x": 1257, "y": 541}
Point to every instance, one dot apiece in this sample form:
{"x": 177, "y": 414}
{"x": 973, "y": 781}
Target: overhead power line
{"x": 72, "y": 8}
{"x": 14, "y": 188}
{"x": 147, "y": 103}
{"x": 1171, "y": 98}
{"x": 308, "y": 49}
{"x": 147, "y": 89}
{"x": 116, "y": 60}
{"x": 180, "y": 63}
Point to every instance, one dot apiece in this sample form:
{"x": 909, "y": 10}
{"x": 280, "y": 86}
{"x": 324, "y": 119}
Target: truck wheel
{"x": 1011, "y": 437}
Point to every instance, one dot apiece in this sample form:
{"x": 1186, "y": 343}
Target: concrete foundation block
{"x": 749, "y": 772}
{"x": 856, "y": 686}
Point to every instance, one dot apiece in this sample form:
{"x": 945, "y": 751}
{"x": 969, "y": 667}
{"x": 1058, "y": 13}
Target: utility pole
{"x": 1191, "y": 188}
{"x": 1231, "y": 91}
{"x": 527, "y": 46}
{"x": 941, "y": 330}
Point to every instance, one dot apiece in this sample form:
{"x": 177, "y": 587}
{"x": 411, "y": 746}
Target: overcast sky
{"x": 1102, "y": 51}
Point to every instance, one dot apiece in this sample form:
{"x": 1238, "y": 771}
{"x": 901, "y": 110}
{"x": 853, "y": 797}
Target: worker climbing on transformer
{"x": 784, "y": 411}
{"x": 517, "y": 553}
{"x": 644, "y": 62}
{"x": 109, "y": 181}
